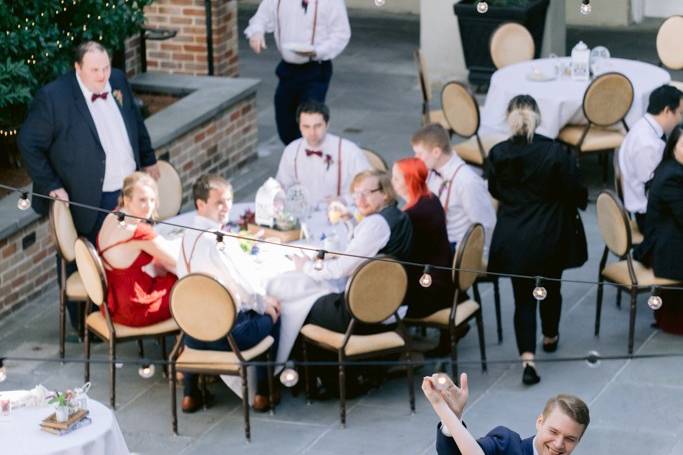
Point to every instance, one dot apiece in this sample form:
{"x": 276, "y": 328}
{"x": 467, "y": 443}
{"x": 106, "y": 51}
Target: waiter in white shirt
{"x": 324, "y": 164}
{"x": 462, "y": 192}
{"x": 308, "y": 34}
{"x": 642, "y": 149}
{"x": 258, "y": 314}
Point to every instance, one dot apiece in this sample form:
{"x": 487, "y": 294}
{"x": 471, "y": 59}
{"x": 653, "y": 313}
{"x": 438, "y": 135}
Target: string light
{"x": 220, "y": 244}
{"x": 24, "y": 203}
{"x": 540, "y": 293}
{"x": 289, "y": 377}
{"x": 118, "y": 365}
{"x": 380, "y": 3}
{"x": 593, "y": 359}
{"x": 654, "y": 301}
{"x": 441, "y": 381}
{"x": 426, "y": 278}
{"x": 482, "y": 7}
{"x": 122, "y": 220}
{"x": 3, "y": 371}
{"x": 319, "y": 260}
{"x": 146, "y": 371}
{"x": 585, "y": 7}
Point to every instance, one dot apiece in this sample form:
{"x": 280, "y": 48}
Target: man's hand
{"x": 456, "y": 397}
{"x": 153, "y": 171}
{"x": 257, "y": 43}
{"x": 60, "y": 193}
{"x": 272, "y": 308}
{"x": 299, "y": 262}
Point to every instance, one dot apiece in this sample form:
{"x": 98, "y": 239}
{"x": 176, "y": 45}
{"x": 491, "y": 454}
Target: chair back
{"x": 422, "y": 77}
{"x": 202, "y": 307}
{"x": 63, "y": 230}
{"x": 467, "y": 263}
{"x": 460, "y": 109}
{"x": 91, "y": 270}
{"x": 375, "y": 160}
{"x": 376, "y": 290}
{"x": 618, "y": 185}
{"x": 608, "y": 99}
{"x": 613, "y": 223}
{"x": 669, "y": 39}
{"x": 511, "y": 43}
{"x": 170, "y": 190}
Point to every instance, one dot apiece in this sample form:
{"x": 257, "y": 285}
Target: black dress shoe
{"x": 530, "y": 376}
{"x": 552, "y": 346}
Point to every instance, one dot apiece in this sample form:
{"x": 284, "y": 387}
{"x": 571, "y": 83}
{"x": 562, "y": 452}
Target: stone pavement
{"x": 636, "y": 405}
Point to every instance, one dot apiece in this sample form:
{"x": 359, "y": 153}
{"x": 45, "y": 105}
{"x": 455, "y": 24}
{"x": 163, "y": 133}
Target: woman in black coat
{"x": 538, "y": 231}
{"x": 662, "y": 247}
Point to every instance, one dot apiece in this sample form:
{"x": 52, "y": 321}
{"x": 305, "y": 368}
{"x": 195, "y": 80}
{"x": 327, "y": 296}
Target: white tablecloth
{"x": 560, "y": 99}
{"x": 21, "y": 434}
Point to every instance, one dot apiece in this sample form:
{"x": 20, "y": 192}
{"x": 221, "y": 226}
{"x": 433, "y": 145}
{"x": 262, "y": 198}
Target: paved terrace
{"x": 636, "y": 405}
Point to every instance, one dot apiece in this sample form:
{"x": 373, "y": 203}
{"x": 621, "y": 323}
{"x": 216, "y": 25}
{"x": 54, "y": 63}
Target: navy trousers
{"x": 298, "y": 83}
{"x": 250, "y": 328}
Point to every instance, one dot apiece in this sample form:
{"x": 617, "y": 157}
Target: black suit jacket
{"x": 662, "y": 247}
{"x": 61, "y": 149}
{"x": 499, "y": 441}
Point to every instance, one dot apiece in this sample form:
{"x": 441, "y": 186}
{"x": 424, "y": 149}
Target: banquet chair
{"x": 626, "y": 274}
{"x": 511, "y": 43}
{"x": 368, "y": 303}
{"x": 428, "y": 116}
{"x": 99, "y": 322}
{"x": 71, "y": 287}
{"x": 375, "y": 159}
{"x": 669, "y": 39}
{"x": 467, "y": 266}
{"x": 170, "y": 190}
{"x": 461, "y": 111}
{"x": 205, "y": 310}
{"x": 606, "y": 102}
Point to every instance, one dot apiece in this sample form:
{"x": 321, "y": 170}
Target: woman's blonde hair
{"x": 383, "y": 180}
{"x": 139, "y": 178}
{"x": 523, "y": 117}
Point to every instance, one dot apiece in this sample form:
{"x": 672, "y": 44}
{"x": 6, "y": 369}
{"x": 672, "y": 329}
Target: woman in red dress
{"x": 135, "y": 297}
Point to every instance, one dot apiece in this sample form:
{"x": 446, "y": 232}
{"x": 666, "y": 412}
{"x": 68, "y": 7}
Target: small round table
{"x": 21, "y": 434}
{"x": 560, "y": 99}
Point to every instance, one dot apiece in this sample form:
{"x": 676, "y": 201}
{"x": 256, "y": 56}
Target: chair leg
{"x": 342, "y": 394}
{"x": 598, "y": 307}
{"x": 496, "y": 298}
{"x": 141, "y": 349}
{"x": 271, "y": 388}
{"x": 245, "y": 402}
{"x": 475, "y": 291}
{"x": 112, "y": 372}
{"x": 162, "y": 343}
{"x": 632, "y": 320}
{"x": 454, "y": 355}
{"x": 62, "y": 319}
{"x": 174, "y": 409}
{"x": 307, "y": 377}
{"x": 86, "y": 347}
{"x": 619, "y": 298}
{"x": 482, "y": 344}
{"x": 202, "y": 381}
{"x": 411, "y": 384}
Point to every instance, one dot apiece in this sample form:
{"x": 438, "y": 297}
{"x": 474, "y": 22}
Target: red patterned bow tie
{"x": 102, "y": 95}
{"x": 314, "y": 152}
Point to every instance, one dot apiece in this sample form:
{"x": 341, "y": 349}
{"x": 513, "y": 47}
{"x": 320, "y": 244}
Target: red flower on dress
{"x": 144, "y": 298}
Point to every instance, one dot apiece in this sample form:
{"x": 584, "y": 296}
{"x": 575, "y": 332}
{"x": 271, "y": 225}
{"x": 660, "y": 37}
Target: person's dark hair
{"x": 88, "y": 46}
{"x": 204, "y": 184}
{"x": 572, "y": 406}
{"x": 313, "y": 107}
{"x": 432, "y": 135}
{"x": 523, "y": 117}
{"x": 663, "y": 97}
{"x": 671, "y": 142}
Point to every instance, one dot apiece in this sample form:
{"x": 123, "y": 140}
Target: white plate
{"x": 540, "y": 77}
{"x": 298, "y": 47}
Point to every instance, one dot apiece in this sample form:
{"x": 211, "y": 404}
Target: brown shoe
{"x": 261, "y": 403}
{"x": 191, "y": 404}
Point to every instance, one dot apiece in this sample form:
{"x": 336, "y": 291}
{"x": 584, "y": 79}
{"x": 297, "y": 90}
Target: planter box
{"x": 476, "y": 30}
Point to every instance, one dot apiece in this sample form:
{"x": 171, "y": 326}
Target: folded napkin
{"x": 34, "y": 398}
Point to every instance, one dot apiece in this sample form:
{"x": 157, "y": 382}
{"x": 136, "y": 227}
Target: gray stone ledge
{"x": 11, "y": 218}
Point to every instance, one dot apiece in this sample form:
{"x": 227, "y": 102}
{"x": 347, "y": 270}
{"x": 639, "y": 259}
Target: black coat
{"x": 538, "y": 228}
{"x": 61, "y": 149}
{"x": 662, "y": 247}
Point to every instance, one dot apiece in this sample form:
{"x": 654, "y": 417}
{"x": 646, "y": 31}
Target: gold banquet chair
{"x": 94, "y": 278}
{"x": 376, "y": 160}
{"x": 669, "y": 39}
{"x": 461, "y": 111}
{"x": 428, "y": 116}
{"x": 71, "y": 287}
{"x": 511, "y": 43}
{"x": 467, "y": 266}
{"x": 627, "y": 274}
{"x": 205, "y": 310}
{"x": 368, "y": 303}
{"x": 606, "y": 102}
{"x": 170, "y": 190}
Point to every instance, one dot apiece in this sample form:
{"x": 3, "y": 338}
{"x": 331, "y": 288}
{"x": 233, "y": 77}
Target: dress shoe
{"x": 530, "y": 376}
{"x": 191, "y": 404}
{"x": 261, "y": 403}
{"x": 552, "y": 346}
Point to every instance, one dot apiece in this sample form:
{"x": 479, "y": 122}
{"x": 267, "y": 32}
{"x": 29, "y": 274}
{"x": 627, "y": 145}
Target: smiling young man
{"x": 559, "y": 427}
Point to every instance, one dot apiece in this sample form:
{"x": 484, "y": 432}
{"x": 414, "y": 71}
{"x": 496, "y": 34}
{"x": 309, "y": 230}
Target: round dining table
{"x": 559, "y": 97}
{"x": 20, "y": 434}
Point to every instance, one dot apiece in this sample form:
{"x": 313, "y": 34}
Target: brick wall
{"x": 132, "y": 56}
{"x": 186, "y": 53}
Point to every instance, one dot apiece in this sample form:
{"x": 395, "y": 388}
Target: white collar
{"x": 86, "y": 92}
{"x": 451, "y": 165}
{"x": 655, "y": 125}
{"x": 202, "y": 222}
{"x": 328, "y": 137}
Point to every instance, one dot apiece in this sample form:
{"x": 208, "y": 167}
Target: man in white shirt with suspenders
{"x": 309, "y": 34}
{"x": 324, "y": 164}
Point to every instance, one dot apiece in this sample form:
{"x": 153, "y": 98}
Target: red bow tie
{"x": 102, "y": 95}
{"x": 314, "y": 152}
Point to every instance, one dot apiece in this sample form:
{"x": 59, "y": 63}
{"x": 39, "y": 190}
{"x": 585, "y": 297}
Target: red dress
{"x": 135, "y": 298}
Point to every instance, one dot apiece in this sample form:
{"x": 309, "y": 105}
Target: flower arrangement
{"x": 62, "y": 398}
{"x": 118, "y": 96}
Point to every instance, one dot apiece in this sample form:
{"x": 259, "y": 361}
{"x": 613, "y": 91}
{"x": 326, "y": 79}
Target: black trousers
{"x": 640, "y": 221}
{"x": 525, "y": 311}
{"x": 330, "y": 312}
{"x": 298, "y": 83}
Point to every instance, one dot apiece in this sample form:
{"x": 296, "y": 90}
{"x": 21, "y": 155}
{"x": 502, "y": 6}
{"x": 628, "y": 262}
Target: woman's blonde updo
{"x": 523, "y": 117}
{"x": 139, "y": 178}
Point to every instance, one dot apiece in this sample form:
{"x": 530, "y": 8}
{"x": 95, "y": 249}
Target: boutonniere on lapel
{"x": 328, "y": 161}
{"x": 118, "y": 96}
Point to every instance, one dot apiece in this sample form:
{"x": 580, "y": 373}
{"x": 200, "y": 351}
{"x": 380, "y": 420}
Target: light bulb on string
{"x": 426, "y": 278}
{"x": 380, "y": 3}
{"x": 585, "y": 7}
{"x": 540, "y": 293}
{"x": 220, "y": 244}
{"x": 289, "y": 377}
{"x": 3, "y": 371}
{"x": 122, "y": 220}
{"x": 593, "y": 359}
{"x": 654, "y": 301}
{"x": 24, "y": 203}
{"x": 118, "y": 365}
{"x": 147, "y": 370}
{"x": 441, "y": 381}
{"x": 482, "y": 7}
{"x": 319, "y": 258}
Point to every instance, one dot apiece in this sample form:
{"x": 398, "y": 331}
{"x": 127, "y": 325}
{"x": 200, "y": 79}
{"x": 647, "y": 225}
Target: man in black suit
{"x": 82, "y": 136}
{"x": 559, "y": 427}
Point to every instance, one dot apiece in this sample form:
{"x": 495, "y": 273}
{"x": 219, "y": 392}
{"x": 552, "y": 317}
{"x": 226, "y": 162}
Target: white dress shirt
{"x": 465, "y": 198}
{"x": 291, "y": 24}
{"x": 231, "y": 267}
{"x": 320, "y": 175}
{"x": 113, "y": 136}
{"x": 639, "y": 155}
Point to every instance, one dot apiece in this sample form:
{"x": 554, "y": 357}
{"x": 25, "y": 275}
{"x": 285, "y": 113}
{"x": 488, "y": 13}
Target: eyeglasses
{"x": 364, "y": 193}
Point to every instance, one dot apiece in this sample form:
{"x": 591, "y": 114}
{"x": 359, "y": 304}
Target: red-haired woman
{"x": 430, "y": 239}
